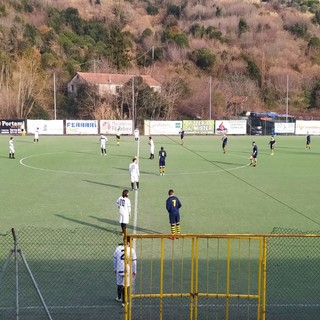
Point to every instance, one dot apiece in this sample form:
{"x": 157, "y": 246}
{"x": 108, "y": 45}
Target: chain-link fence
{"x": 68, "y": 274}
{"x": 293, "y": 275}
{"x": 72, "y": 270}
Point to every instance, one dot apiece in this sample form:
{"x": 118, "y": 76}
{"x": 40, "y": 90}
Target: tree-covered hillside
{"x": 205, "y": 54}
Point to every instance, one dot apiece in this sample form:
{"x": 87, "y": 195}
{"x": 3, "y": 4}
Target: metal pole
{"x": 54, "y": 97}
{"x": 210, "y": 99}
{"x": 35, "y": 284}
{"x": 287, "y": 99}
{"x": 133, "y": 107}
{"x": 15, "y": 249}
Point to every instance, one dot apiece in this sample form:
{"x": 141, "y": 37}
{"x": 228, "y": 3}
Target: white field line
{"x": 22, "y": 162}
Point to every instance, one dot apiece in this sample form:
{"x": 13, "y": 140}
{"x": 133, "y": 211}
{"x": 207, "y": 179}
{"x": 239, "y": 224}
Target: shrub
{"x": 152, "y": 10}
{"x": 242, "y": 26}
{"x": 204, "y": 58}
{"x": 314, "y": 42}
{"x": 299, "y": 29}
{"x": 173, "y": 35}
{"x": 147, "y": 33}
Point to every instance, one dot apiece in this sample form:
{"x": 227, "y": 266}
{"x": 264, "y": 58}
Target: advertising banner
{"x": 45, "y": 126}
{"x": 162, "y": 127}
{"x": 111, "y": 126}
{"x": 81, "y": 126}
{"x": 284, "y": 127}
{"x": 11, "y": 126}
{"x": 231, "y": 126}
{"x": 198, "y": 126}
{"x": 305, "y": 127}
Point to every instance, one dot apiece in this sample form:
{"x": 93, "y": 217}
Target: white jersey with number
{"x": 124, "y": 206}
{"x": 118, "y": 264}
{"x": 134, "y": 171}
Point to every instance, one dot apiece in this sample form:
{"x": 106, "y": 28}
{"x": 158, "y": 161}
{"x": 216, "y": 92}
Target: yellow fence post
{"x": 161, "y": 278}
{"x": 264, "y": 283}
{"x": 228, "y": 280}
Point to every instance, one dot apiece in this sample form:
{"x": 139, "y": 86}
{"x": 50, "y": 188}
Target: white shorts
{"x": 134, "y": 178}
{"x": 124, "y": 218}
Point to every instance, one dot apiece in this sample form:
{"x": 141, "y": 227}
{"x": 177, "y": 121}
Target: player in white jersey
{"x": 103, "y": 139}
{"x": 134, "y": 174}
{"x": 124, "y": 206}
{"x": 151, "y": 145}
{"x": 123, "y": 272}
{"x": 36, "y": 136}
{"x": 11, "y": 148}
{"x": 136, "y": 134}
{"x": 118, "y": 136}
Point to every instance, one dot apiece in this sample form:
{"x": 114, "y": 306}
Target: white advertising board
{"x": 304, "y": 127}
{"x": 231, "y": 126}
{"x": 81, "y": 126}
{"x": 198, "y": 126}
{"x": 284, "y": 127}
{"x": 45, "y": 126}
{"x": 162, "y": 127}
{"x": 111, "y": 126}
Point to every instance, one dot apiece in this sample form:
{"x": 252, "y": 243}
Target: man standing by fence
{"x": 123, "y": 271}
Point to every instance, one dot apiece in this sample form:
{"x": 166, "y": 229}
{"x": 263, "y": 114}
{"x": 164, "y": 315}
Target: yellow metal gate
{"x": 198, "y": 277}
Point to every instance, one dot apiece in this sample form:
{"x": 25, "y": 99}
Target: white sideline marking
{"x": 136, "y": 198}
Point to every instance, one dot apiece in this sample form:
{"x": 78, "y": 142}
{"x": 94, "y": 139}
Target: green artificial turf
{"x": 65, "y": 182}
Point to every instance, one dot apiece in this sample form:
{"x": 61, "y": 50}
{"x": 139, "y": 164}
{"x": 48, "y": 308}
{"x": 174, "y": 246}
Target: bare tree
{"x": 172, "y": 91}
{"x": 28, "y": 83}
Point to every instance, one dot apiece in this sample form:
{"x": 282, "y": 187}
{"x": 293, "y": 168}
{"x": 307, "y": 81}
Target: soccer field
{"x": 65, "y": 182}
{"x": 64, "y": 188}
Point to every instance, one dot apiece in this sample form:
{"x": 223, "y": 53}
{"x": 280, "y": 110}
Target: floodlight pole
{"x": 210, "y": 98}
{"x": 133, "y": 106}
{"x": 287, "y": 99}
{"x": 54, "y": 97}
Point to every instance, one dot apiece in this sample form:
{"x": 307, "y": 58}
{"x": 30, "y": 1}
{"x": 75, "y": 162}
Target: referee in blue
{"x": 173, "y": 205}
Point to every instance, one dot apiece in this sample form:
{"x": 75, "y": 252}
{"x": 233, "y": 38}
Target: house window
{"x": 72, "y": 88}
{"x": 118, "y": 89}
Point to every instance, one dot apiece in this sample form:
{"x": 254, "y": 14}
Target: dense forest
{"x": 206, "y": 54}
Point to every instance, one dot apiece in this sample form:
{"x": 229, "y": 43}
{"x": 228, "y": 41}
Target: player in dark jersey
{"x": 308, "y": 141}
{"x": 272, "y": 143}
{"x": 254, "y": 155}
{"x": 162, "y": 161}
{"x": 224, "y": 140}
{"x": 173, "y": 205}
{"x": 182, "y": 136}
